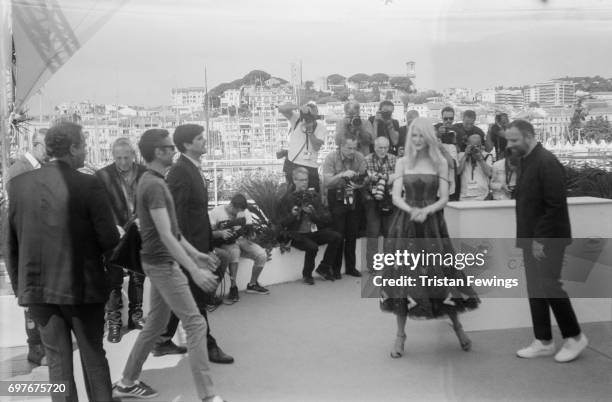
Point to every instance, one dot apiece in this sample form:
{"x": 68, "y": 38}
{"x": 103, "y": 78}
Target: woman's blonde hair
{"x": 432, "y": 149}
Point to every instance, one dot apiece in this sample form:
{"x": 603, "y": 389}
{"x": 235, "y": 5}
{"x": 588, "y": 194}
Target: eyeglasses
{"x": 170, "y": 147}
{"x": 448, "y": 118}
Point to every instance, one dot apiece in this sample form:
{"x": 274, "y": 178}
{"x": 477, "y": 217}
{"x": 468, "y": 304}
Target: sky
{"x": 150, "y": 46}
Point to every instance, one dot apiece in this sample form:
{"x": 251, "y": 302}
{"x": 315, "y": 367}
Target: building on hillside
{"x": 191, "y": 98}
{"x": 551, "y": 93}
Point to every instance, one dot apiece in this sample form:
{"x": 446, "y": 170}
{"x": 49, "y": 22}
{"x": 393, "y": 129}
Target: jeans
{"x": 310, "y": 242}
{"x": 376, "y": 225}
{"x": 546, "y": 293}
{"x": 170, "y": 292}
{"x": 115, "y": 300}
{"x": 87, "y": 322}
{"x": 202, "y": 300}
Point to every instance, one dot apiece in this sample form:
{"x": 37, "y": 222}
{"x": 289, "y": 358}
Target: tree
{"x": 379, "y": 78}
{"x": 597, "y": 129}
{"x": 335, "y": 79}
{"x": 420, "y": 97}
{"x": 256, "y": 77}
{"x": 342, "y": 94}
{"x": 402, "y": 83}
{"x": 359, "y": 77}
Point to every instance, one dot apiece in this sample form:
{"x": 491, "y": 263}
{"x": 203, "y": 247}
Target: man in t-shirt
{"x": 474, "y": 170}
{"x": 466, "y": 128}
{"x": 306, "y": 136}
{"x": 230, "y": 225}
{"x": 163, "y": 249}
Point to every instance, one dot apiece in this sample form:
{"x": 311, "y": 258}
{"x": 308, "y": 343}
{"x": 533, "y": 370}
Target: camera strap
{"x": 305, "y": 144}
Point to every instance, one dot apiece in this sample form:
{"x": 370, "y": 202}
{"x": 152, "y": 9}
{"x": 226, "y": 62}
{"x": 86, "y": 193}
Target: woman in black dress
{"x": 418, "y": 225}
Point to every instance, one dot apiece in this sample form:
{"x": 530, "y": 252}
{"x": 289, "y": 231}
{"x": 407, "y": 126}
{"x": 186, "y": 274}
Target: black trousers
{"x": 546, "y": 293}
{"x": 310, "y": 242}
{"x": 202, "y": 300}
{"x": 115, "y": 300}
{"x": 86, "y": 321}
{"x": 346, "y": 223}
{"x": 32, "y": 330}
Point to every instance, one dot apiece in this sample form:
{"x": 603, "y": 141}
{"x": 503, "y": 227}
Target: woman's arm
{"x": 396, "y": 192}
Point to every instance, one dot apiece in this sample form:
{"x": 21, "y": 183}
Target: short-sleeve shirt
{"x": 334, "y": 163}
{"x": 463, "y": 134}
{"x": 153, "y": 193}
{"x": 219, "y": 214}
{"x": 301, "y": 150}
{"x": 474, "y": 181}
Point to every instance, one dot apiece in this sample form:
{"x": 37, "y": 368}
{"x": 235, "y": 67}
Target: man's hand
{"x": 205, "y": 279}
{"x": 308, "y": 209}
{"x": 349, "y": 174}
{"x": 225, "y": 234}
{"x": 207, "y": 261}
{"x": 537, "y": 249}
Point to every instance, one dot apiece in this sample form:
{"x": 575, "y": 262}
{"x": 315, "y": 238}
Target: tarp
{"x": 48, "y": 32}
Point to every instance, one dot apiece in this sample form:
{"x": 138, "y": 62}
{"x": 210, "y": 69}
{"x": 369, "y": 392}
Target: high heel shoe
{"x": 398, "y": 348}
{"x": 464, "y": 341}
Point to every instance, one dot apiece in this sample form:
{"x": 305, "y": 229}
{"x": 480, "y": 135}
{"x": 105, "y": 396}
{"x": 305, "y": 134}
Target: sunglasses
{"x": 448, "y": 119}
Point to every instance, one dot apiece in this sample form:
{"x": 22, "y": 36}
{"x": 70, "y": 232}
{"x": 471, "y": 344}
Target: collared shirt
{"x": 35, "y": 163}
{"x": 335, "y": 163}
{"x": 301, "y": 150}
{"x": 386, "y": 165}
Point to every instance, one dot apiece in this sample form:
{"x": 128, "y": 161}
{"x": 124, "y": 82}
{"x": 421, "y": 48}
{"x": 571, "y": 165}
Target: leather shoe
{"x": 354, "y": 272}
{"x": 114, "y": 333}
{"x": 136, "y": 323}
{"x": 168, "y": 348}
{"x": 216, "y": 355}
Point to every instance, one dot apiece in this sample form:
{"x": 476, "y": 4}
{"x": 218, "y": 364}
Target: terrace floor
{"x": 325, "y": 343}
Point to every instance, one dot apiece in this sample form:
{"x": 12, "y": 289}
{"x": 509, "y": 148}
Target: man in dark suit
{"x": 191, "y": 202}
{"x": 25, "y": 163}
{"x": 60, "y": 225}
{"x": 120, "y": 179}
{"x": 543, "y": 232}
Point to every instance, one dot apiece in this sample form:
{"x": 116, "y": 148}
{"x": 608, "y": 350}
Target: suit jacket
{"x": 541, "y": 200}
{"x": 191, "y": 202}
{"x": 19, "y": 167}
{"x": 112, "y": 182}
{"x": 60, "y": 224}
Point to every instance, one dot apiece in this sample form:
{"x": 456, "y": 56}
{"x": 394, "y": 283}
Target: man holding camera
{"x": 306, "y": 136}
{"x": 497, "y": 134}
{"x": 378, "y": 203}
{"x": 467, "y": 128}
{"x": 448, "y": 137}
{"x": 305, "y": 218}
{"x": 345, "y": 172}
{"x": 475, "y": 169}
{"x": 385, "y": 126}
{"x": 354, "y": 126}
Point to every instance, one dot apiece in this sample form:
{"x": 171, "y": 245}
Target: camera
{"x": 447, "y": 136}
{"x": 305, "y": 198}
{"x": 386, "y": 115}
{"x": 283, "y": 153}
{"x": 355, "y": 122}
{"x": 309, "y": 116}
{"x": 347, "y": 194}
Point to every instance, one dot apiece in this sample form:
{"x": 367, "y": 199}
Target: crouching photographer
{"x": 378, "y": 202}
{"x": 305, "y": 221}
{"x": 306, "y": 136}
{"x": 345, "y": 173}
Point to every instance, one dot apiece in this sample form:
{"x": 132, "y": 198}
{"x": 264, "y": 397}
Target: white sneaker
{"x": 571, "y": 349}
{"x": 536, "y": 349}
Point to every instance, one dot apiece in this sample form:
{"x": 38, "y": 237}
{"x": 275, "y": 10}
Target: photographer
{"x": 385, "y": 126}
{"x": 378, "y": 202}
{"x": 344, "y": 172}
{"x": 448, "y": 138}
{"x": 306, "y": 136}
{"x": 467, "y": 128}
{"x": 354, "y": 126}
{"x": 503, "y": 178}
{"x": 403, "y": 131}
{"x": 474, "y": 170}
{"x": 305, "y": 218}
{"x": 497, "y": 134}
